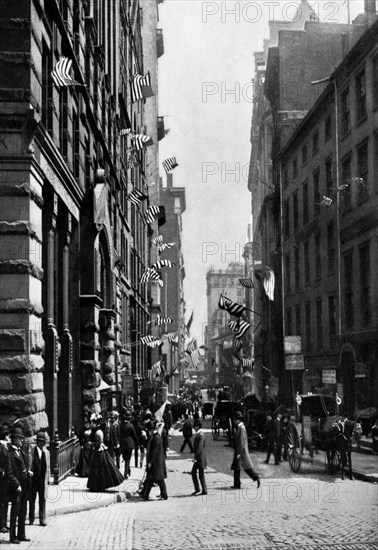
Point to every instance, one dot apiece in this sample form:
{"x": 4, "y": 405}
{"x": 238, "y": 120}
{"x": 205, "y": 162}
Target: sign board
{"x": 294, "y": 362}
{"x": 329, "y": 376}
{"x": 293, "y": 344}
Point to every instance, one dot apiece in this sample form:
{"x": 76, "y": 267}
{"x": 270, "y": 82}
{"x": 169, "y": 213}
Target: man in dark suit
{"x": 242, "y": 460}
{"x": 156, "y": 468}
{"x": 128, "y": 440}
{"x": 18, "y": 487}
{"x": 187, "y": 432}
{"x": 40, "y": 466}
{"x": 200, "y": 462}
{"x": 5, "y": 472}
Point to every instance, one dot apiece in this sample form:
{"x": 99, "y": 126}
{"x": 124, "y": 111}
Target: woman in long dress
{"x": 103, "y": 472}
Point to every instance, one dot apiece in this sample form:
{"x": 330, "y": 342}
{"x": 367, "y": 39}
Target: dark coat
{"x": 36, "y": 467}
{"x": 128, "y": 437}
{"x": 5, "y": 467}
{"x": 156, "y": 468}
{"x": 272, "y": 431}
{"x": 187, "y": 430}
{"x": 199, "y": 446}
{"x": 19, "y": 472}
{"x": 241, "y": 448}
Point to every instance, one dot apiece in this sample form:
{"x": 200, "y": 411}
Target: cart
{"x": 207, "y": 409}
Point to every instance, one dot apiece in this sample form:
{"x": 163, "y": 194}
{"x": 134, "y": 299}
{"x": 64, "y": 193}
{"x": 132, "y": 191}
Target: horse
{"x": 339, "y": 445}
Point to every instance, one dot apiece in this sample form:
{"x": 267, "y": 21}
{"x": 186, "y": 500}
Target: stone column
{"x": 107, "y": 336}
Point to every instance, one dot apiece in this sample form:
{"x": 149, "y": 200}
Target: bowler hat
{"x": 238, "y": 415}
{"x": 4, "y": 431}
{"x": 41, "y": 436}
{"x": 17, "y": 432}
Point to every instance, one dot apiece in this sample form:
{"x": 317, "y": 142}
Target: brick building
{"x": 72, "y": 248}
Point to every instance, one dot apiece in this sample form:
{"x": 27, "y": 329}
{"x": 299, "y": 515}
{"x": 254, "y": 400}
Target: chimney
{"x": 169, "y": 180}
{"x": 370, "y": 12}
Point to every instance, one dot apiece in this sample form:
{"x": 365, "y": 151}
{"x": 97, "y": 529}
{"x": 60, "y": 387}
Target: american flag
{"x": 149, "y": 275}
{"x": 136, "y": 196}
{"x": 169, "y": 164}
{"x": 269, "y": 281}
{"x": 172, "y": 337}
{"x": 247, "y": 363}
{"x": 148, "y": 339}
{"x": 160, "y": 412}
{"x": 165, "y": 246}
{"x": 125, "y": 131}
{"x": 189, "y": 324}
{"x": 153, "y": 213}
{"x": 162, "y": 263}
{"x": 231, "y": 307}
{"x": 155, "y": 343}
{"x": 158, "y": 240}
{"x": 239, "y": 328}
{"x": 247, "y": 283}
{"x": 61, "y": 73}
{"x": 140, "y": 141}
{"x": 163, "y": 320}
{"x": 141, "y": 87}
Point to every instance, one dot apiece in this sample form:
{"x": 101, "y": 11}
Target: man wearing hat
{"x": 128, "y": 440}
{"x": 200, "y": 462}
{"x": 18, "y": 487}
{"x": 40, "y": 466}
{"x": 5, "y": 472}
{"x": 156, "y": 468}
{"x": 242, "y": 460}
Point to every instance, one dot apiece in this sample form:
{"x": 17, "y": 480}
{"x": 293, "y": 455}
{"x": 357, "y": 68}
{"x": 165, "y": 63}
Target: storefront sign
{"x": 294, "y": 362}
{"x": 329, "y": 376}
{"x": 293, "y": 344}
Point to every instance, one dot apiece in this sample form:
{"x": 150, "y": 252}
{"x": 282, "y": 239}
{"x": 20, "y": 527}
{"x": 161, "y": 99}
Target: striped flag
{"x": 149, "y": 275}
{"x": 154, "y": 343}
{"x": 61, "y": 73}
{"x": 163, "y": 320}
{"x": 172, "y": 337}
{"x": 153, "y": 213}
{"x": 237, "y": 345}
{"x": 158, "y": 240}
{"x": 162, "y": 263}
{"x": 247, "y": 363}
{"x": 169, "y": 164}
{"x": 148, "y": 339}
{"x": 141, "y": 87}
{"x": 140, "y": 141}
{"x": 125, "y": 131}
{"x": 239, "y": 329}
{"x": 136, "y": 196}
{"x": 247, "y": 283}
{"x": 231, "y": 307}
{"x": 269, "y": 281}
{"x": 164, "y": 246}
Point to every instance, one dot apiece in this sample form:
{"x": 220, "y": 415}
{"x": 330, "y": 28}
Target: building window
{"x": 288, "y": 322}
{"x": 287, "y": 273}
{"x": 331, "y": 316}
{"x": 328, "y": 128}
{"x": 315, "y": 143}
{"x": 345, "y": 112}
{"x": 295, "y": 209}
{"x": 316, "y": 192}
{"x": 287, "y": 218}
{"x": 308, "y": 326}
{"x": 375, "y": 82}
{"x": 361, "y": 96}
{"x": 331, "y": 248}
{"x": 296, "y": 269}
{"x": 298, "y": 326}
{"x": 307, "y": 262}
{"x": 328, "y": 176}
{"x": 295, "y": 167}
{"x": 347, "y": 181}
{"x": 348, "y": 297}
{"x": 365, "y": 283}
{"x": 362, "y": 166}
{"x": 318, "y": 258}
{"x": 304, "y": 155}
{"x": 319, "y": 324}
{"x": 305, "y": 203}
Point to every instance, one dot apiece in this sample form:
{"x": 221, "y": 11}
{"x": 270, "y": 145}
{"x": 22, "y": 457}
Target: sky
{"x": 205, "y": 93}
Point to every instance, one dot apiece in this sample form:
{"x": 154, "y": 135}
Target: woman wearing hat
{"x": 242, "y": 460}
{"x": 103, "y": 472}
{"x": 40, "y": 466}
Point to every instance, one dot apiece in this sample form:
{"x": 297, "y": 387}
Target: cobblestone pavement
{"x": 297, "y": 513}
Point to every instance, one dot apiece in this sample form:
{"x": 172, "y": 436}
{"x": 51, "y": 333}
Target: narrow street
{"x": 303, "y": 511}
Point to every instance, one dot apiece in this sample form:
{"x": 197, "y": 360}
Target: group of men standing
{"x": 24, "y": 474}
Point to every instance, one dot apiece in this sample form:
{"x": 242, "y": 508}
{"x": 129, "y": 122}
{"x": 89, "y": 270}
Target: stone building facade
{"x": 72, "y": 247}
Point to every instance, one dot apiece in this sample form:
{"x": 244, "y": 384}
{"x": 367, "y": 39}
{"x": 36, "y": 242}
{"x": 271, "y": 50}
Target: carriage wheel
{"x": 334, "y": 461}
{"x": 215, "y": 428}
{"x": 230, "y": 433}
{"x": 294, "y": 449}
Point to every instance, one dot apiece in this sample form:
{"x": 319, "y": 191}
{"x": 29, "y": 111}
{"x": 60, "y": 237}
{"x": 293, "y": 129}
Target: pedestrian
{"x": 40, "y": 466}
{"x": 242, "y": 460}
{"x": 142, "y": 441}
{"x": 128, "y": 440}
{"x": 86, "y": 447}
{"x": 187, "y": 432}
{"x": 200, "y": 462}
{"x": 271, "y": 439}
{"x": 103, "y": 472}
{"x": 5, "y": 473}
{"x": 156, "y": 471}
{"x": 18, "y": 487}
{"x": 357, "y": 432}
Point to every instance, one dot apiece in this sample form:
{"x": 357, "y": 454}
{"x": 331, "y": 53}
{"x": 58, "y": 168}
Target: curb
{"x": 110, "y": 499}
{"x": 371, "y": 478}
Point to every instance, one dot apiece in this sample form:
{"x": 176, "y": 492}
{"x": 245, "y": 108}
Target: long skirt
{"x": 82, "y": 469}
{"x": 103, "y": 473}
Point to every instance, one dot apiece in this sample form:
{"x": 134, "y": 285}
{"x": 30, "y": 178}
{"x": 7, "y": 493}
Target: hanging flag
{"x": 136, "y": 196}
{"x": 194, "y": 357}
{"x": 247, "y": 363}
{"x": 158, "y": 240}
{"x": 247, "y": 283}
{"x": 172, "y": 337}
{"x": 164, "y": 246}
{"x": 160, "y": 412}
{"x": 61, "y": 73}
{"x": 153, "y": 213}
{"x": 231, "y": 307}
{"x": 237, "y": 345}
{"x": 169, "y": 164}
{"x": 141, "y": 87}
{"x": 125, "y": 131}
{"x": 189, "y": 324}
{"x": 163, "y": 320}
{"x": 140, "y": 141}
{"x": 148, "y": 339}
{"x": 269, "y": 281}
{"x": 154, "y": 344}
{"x": 149, "y": 275}
{"x": 239, "y": 329}
{"x": 162, "y": 263}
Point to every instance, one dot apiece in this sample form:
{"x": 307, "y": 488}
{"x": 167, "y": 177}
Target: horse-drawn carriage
{"x": 223, "y": 419}
{"x": 319, "y": 427}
